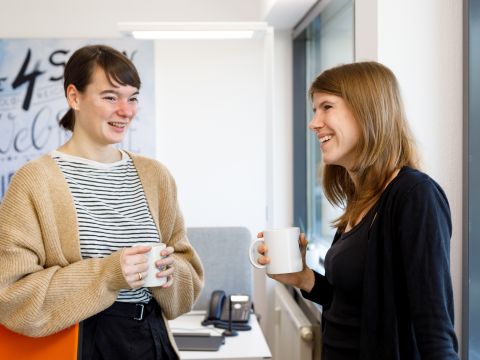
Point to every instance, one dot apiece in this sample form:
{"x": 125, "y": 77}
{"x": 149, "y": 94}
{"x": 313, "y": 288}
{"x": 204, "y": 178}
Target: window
{"x": 325, "y": 42}
{"x": 471, "y": 310}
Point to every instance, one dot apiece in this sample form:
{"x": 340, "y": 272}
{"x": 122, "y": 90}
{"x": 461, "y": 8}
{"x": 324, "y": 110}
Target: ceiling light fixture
{"x": 192, "y": 30}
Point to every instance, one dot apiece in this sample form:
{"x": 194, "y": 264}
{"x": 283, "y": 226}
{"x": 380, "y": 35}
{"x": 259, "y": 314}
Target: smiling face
{"x": 103, "y": 112}
{"x": 336, "y": 129}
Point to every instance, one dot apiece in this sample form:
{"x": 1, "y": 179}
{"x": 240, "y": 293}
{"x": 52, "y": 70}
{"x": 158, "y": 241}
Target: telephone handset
{"x": 217, "y": 313}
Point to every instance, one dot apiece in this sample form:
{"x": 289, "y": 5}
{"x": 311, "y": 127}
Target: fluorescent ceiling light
{"x": 193, "y": 35}
{"x": 192, "y": 30}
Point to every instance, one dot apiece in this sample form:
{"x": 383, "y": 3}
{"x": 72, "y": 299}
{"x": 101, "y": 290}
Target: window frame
{"x": 471, "y": 174}
{"x": 309, "y": 203}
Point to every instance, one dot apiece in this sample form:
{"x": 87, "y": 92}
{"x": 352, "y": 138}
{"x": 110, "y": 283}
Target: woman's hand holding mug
{"x": 165, "y": 264}
{"x": 304, "y": 279}
{"x": 134, "y": 265}
{"x": 148, "y": 265}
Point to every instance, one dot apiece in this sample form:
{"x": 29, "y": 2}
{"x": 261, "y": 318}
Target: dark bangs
{"x": 119, "y": 69}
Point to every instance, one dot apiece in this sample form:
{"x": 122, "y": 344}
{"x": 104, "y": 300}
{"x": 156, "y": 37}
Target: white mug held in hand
{"x": 283, "y": 250}
{"x": 153, "y": 256}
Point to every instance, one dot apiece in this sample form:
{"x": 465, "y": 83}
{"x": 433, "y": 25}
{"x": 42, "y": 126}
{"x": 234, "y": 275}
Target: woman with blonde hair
{"x": 387, "y": 291}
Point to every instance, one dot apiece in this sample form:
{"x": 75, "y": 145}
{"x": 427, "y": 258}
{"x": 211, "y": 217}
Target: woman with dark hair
{"x": 387, "y": 291}
{"x": 73, "y": 221}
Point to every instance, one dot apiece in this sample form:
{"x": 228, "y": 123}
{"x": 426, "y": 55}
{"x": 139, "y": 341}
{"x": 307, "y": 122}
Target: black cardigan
{"x": 407, "y": 306}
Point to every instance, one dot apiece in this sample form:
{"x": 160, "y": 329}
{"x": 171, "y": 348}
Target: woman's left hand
{"x": 165, "y": 265}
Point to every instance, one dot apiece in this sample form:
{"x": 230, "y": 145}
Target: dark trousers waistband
{"x": 135, "y": 311}
{"x": 114, "y": 334}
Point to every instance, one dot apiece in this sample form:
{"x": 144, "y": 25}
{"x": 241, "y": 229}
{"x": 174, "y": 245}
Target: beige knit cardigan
{"x": 45, "y": 286}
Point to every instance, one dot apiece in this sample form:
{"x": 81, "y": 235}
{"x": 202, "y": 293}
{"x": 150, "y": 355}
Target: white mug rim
{"x": 281, "y": 229}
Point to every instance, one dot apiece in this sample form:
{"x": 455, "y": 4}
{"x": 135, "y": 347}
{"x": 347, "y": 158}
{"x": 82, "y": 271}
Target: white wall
{"x": 211, "y": 120}
{"x": 421, "y": 41}
{"x": 212, "y": 134}
{"x": 224, "y": 114}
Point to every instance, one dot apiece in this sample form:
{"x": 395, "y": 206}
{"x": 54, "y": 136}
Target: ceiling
{"x": 100, "y": 18}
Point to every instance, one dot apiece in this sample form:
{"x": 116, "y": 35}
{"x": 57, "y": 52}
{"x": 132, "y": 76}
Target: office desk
{"x": 247, "y": 345}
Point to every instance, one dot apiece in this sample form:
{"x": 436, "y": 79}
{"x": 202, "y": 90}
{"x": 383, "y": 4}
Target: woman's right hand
{"x": 304, "y": 279}
{"x": 133, "y": 262}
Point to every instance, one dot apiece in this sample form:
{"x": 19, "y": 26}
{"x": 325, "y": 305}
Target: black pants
{"x": 114, "y": 334}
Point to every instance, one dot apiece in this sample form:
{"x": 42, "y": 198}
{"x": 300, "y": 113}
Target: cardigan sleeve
{"x": 321, "y": 293}
{"x": 424, "y": 230}
{"x": 161, "y": 192}
{"x": 188, "y": 274}
{"x": 40, "y": 291}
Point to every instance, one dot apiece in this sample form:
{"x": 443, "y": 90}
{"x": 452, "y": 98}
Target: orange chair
{"x": 60, "y": 346}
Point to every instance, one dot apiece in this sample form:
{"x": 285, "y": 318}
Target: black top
{"x": 407, "y": 299}
{"x": 344, "y": 269}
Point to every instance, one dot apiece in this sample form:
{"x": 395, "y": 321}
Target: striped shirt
{"x": 112, "y": 211}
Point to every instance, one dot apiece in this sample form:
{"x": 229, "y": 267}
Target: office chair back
{"x": 224, "y": 254}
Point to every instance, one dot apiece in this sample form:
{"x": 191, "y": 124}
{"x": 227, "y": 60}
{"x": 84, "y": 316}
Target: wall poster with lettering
{"x": 32, "y": 99}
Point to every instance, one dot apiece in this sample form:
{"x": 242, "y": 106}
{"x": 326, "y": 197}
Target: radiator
{"x": 296, "y": 337}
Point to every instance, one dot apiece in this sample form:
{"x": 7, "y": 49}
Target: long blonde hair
{"x": 372, "y": 94}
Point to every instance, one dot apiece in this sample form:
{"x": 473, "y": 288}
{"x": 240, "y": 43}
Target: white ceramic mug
{"x": 283, "y": 251}
{"x": 152, "y": 280}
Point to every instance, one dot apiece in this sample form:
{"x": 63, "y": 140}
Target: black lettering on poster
{"x": 23, "y": 77}
{"x": 53, "y": 59}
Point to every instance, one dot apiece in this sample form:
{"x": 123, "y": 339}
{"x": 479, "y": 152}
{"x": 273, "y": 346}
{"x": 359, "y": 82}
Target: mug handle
{"x": 252, "y": 252}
